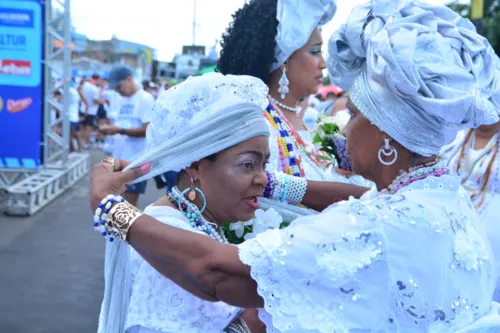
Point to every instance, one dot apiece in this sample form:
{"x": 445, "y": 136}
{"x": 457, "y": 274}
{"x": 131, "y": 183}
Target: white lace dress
{"x": 159, "y": 305}
{"x": 488, "y": 207}
{"x": 415, "y": 261}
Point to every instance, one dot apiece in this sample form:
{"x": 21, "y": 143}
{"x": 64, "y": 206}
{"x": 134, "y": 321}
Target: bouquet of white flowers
{"x": 328, "y": 137}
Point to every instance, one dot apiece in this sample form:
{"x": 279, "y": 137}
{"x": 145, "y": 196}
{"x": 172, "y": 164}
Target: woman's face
{"x": 305, "y": 67}
{"x": 363, "y": 143}
{"x": 233, "y": 182}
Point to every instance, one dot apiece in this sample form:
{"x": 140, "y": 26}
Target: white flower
{"x": 341, "y": 119}
{"x": 265, "y": 220}
{"x": 239, "y": 227}
{"x": 250, "y": 235}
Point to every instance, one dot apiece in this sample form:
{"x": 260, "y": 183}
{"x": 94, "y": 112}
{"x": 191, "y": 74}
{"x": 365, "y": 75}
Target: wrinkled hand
{"x": 109, "y": 129}
{"x": 104, "y": 180}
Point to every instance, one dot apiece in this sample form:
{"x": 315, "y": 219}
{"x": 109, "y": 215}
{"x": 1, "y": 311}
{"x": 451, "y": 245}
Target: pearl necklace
{"x": 414, "y": 174}
{"x": 196, "y": 219}
{"x": 283, "y": 106}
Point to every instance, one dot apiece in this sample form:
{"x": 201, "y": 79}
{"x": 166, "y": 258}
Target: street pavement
{"x": 51, "y": 265}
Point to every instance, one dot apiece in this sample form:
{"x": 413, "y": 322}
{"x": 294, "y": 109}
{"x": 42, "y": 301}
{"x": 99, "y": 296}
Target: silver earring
{"x": 387, "y": 150}
{"x": 284, "y": 83}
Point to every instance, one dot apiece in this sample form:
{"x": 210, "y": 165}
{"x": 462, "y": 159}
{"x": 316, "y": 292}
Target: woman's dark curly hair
{"x": 249, "y": 43}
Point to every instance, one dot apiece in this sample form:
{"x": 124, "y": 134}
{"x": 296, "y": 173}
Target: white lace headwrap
{"x": 419, "y": 72}
{"x": 200, "y": 117}
{"x": 297, "y": 20}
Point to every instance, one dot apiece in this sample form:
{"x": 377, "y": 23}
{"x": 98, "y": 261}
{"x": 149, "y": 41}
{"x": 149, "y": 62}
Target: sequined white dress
{"x": 414, "y": 261}
{"x": 158, "y": 305}
{"x": 488, "y": 207}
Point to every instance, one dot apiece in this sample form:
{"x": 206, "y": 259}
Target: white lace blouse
{"x": 411, "y": 262}
{"x": 159, "y": 305}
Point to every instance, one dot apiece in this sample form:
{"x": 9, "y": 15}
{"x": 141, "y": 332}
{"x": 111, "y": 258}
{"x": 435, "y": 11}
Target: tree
{"x": 488, "y": 26}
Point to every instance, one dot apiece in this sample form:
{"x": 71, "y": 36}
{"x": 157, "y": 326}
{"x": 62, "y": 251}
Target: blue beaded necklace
{"x": 192, "y": 213}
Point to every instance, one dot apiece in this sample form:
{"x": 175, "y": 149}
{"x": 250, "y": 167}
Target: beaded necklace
{"x": 465, "y": 168}
{"x": 414, "y": 174}
{"x": 284, "y": 106}
{"x": 196, "y": 219}
{"x": 289, "y": 142}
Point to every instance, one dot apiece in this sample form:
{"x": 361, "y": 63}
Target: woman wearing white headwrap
{"x": 213, "y": 125}
{"x": 279, "y": 41}
{"x": 409, "y": 258}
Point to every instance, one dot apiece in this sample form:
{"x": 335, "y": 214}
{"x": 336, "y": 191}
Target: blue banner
{"x": 21, "y": 84}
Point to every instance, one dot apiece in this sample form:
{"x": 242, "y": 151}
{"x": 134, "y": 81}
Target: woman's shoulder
{"x": 169, "y": 215}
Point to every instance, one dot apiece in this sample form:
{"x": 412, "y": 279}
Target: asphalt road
{"x": 51, "y": 266}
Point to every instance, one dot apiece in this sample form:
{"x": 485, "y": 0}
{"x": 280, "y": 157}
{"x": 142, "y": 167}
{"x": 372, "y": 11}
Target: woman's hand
{"x": 107, "y": 178}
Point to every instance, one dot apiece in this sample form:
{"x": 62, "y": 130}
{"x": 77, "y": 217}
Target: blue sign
{"x": 21, "y": 88}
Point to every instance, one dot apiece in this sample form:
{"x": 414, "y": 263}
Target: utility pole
{"x": 194, "y": 22}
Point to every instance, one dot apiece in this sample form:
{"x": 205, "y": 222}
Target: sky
{"x": 167, "y": 25}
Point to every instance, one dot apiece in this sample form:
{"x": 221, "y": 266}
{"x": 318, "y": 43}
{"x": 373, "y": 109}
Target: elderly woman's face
{"x": 233, "y": 182}
{"x": 363, "y": 143}
{"x": 305, "y": 67}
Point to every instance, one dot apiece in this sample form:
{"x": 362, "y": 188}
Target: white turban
{"x": 297, "y": 21}
{"x": 419, "y": 72}
{"x": 200, "y": 117}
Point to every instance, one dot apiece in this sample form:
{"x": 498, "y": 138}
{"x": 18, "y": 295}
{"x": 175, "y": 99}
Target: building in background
{"x": 190, "y": 62}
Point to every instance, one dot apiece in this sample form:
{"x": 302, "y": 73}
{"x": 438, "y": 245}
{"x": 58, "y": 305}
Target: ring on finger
{"x": 111, "y": 161}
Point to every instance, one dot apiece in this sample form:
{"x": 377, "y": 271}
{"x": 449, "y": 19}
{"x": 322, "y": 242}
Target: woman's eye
{"x": 247, "y": 165}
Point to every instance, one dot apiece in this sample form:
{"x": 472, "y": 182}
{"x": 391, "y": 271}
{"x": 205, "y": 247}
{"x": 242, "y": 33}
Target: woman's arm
{"x": 215, "y": 270}
{"x": 320, "y": 195}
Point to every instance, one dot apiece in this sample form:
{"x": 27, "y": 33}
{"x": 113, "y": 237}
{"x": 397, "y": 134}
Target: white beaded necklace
{"x": 283, "y": 106}
{"x": 196, "y": 219}
{"x": 415, "y": 173}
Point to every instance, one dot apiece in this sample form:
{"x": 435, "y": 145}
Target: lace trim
{"x": 289, "y": 309}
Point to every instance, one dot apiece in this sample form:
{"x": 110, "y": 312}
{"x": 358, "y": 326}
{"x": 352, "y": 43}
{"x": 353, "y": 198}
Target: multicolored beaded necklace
{"x": 465, "y": 168}
{"x": 196, "y": 219}
{"x": 289, "y": 143}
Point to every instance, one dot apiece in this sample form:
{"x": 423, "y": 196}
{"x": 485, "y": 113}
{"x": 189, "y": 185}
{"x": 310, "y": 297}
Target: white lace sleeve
{"x": 320, "y": 274}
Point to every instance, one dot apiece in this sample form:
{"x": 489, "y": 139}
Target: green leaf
{"x": 317, "y": 139}
{"x": 323, "y": 158}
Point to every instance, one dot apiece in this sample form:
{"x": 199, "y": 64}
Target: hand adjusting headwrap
{"x": 297, "y": 20}
{"x": 419, "y": 72}
{"x": 200, "y": 117}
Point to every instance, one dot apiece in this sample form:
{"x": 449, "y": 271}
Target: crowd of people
{"x": 257, "y": 232}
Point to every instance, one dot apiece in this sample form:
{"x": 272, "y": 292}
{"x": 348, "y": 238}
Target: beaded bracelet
{"x": 297, "y": 190}
{"x": 285, "y": 188}
{"x": 101, "y": 214}
{"x": 286, "y": 181}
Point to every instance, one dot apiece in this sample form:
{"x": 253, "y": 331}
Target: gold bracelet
{"x": 120, "y": 219}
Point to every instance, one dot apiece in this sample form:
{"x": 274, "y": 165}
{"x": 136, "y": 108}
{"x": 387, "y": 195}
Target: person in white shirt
{"x": 130, "y": 123}
{"x": 74, "y": 118}
{"x": 112, "y": 101}
{"x": 89, "y": 93}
